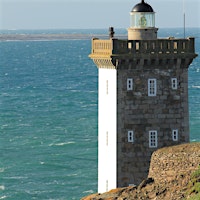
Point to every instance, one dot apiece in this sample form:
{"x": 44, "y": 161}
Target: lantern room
{"x": 142, "y": 16}
{"x": 142, "y": 22}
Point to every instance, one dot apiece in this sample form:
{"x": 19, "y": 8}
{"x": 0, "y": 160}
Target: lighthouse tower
{"x": 143, "y": 98}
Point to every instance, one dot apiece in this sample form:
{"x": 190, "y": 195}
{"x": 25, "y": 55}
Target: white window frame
{"x": 129, "y": 84}
{"x": 175, "y": 134}
{"x": 130, "y": 136}
{"x": 174, "y": 83}
{"x": 153, "y": 139}
{"x": 152, "y": 87}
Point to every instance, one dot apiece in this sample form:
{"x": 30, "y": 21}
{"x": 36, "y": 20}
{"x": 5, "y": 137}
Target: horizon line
{"x": 21, "y": 29}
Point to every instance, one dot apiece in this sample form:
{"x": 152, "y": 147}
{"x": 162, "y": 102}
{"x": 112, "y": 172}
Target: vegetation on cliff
{"x": 194, "y": 186}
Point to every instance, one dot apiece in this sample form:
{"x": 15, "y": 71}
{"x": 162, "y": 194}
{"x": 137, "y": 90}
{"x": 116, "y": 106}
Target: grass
{"x": 194, "y": 185}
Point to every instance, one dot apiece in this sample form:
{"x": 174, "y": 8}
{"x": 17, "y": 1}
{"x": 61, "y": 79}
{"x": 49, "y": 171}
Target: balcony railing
{"x": 103, "y": 47}
{"x": 159, "y": 46}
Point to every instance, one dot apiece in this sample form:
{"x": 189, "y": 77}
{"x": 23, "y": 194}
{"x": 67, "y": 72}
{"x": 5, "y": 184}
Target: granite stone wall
{"x": 137, "y": 111}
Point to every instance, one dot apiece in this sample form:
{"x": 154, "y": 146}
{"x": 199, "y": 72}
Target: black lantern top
{"x": 142, "y": 7}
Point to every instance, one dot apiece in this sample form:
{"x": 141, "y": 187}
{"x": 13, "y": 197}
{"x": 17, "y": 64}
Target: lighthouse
{"x": 142, "y": 98}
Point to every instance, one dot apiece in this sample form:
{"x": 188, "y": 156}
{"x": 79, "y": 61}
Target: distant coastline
{"x": 84, "y": 34}
{"x": 40, "y": 37}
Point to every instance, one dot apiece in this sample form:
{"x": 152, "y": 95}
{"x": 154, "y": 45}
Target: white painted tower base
{"x": 107, "y": 136}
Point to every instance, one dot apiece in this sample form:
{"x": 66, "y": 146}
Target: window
{"x": 152, "y": 87}
{"x": 106, "y": 86}
{"x": 175, "y": 135}
{"x": 130, "y": 136}
{"x": 129, "y": 84}
{"x": 174, "y": 83}
{"x": 153, "y": 140}
{"x": 106, "y": 185}
{"x": 107, "y": 138}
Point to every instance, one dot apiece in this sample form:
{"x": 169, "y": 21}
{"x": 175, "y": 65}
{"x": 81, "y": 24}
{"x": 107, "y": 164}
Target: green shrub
{"x": 195, "y": 197}
{"x": 196, "y": 174}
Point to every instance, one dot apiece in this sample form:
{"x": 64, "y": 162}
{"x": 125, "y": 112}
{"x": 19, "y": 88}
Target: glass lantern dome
{"x": 142, "y": 16}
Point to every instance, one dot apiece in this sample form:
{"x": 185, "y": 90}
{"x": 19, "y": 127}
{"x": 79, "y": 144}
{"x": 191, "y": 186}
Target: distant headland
{"x": 39, "y": 37}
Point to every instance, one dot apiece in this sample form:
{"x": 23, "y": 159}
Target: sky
{"x": 85, "y": 14}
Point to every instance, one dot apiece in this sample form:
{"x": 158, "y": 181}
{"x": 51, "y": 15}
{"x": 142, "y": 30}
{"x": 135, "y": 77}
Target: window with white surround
{"x": 153, "y": 139}
{"x": 129, "y": 84}
{"x": 130, "y": 136}
{"x": 175, "y": 135}
{"x": 152, "y": 87}
{"x": 174, "y": 83}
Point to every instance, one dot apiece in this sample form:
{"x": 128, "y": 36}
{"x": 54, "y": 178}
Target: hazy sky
{"x": 63, "y": 14}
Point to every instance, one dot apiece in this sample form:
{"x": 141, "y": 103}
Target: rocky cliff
{"x": 174, "y": 174}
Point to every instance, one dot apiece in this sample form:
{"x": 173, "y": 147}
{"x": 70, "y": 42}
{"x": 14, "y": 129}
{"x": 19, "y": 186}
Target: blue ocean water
{"x": 48, "y": 116}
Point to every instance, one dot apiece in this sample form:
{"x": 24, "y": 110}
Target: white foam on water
{"x": 88, "y": 191}
{"x": 2, "y": 170}
{"x": 2, "y": 187}
{"x": 196, "y": 86}
{"x": 62, "y": 143}
{"x": 3, "y": 197}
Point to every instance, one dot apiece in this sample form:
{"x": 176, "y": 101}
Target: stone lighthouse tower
{"x": 143, "y": 98}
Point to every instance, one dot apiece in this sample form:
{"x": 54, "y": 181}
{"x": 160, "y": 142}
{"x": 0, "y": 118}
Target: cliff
{"x": 174, "y": 174}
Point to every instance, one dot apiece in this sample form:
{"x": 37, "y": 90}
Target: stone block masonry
{"x": 138, "y": 111}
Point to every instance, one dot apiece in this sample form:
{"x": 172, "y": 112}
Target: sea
{"x": 48, "y": 114}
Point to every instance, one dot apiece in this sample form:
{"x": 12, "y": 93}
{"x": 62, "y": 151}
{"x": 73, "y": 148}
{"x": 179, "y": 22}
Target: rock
{"x": 171, "y": 177}
{"x": 145, "y": 182}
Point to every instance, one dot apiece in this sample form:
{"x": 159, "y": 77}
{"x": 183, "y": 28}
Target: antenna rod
{"x": 184, "y": 18}
{"x": 184, "y": 24}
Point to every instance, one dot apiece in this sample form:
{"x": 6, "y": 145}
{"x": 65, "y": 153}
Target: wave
{"x": 62, "y": 143}
{"x": 16, "y": 177}
{"x": 88, "y": 191}
{"x": 196, "y": 86}
{"x": 2, "y": 187}
{"x": 193, "y": 140}
{"x": 2, "y": 170}
{"x": 69, "y": 175}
